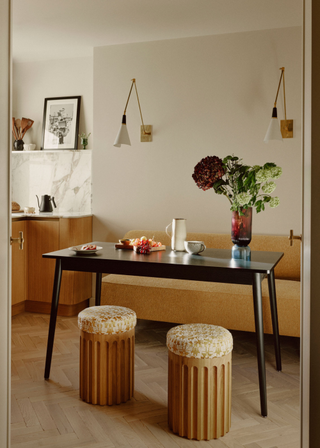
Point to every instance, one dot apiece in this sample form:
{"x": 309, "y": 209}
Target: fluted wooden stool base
{"x": 106, "y": 367}
{"x": 199, "y": 396}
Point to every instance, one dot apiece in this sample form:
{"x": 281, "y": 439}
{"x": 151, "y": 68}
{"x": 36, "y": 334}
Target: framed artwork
{"x": 60, "y": 126}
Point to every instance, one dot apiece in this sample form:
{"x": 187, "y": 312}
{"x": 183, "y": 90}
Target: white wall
{"x": 35, "y": 81}
{"x": 204, "y": 96}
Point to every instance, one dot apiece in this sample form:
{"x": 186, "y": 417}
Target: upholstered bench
{"x": 199, "y": 381}
{"x": 230, "y": 306}
{"x": 106, "y": 354}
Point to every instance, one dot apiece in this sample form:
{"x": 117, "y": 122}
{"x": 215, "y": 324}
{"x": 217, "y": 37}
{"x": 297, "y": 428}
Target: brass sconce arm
{"x": 125, "y": 109}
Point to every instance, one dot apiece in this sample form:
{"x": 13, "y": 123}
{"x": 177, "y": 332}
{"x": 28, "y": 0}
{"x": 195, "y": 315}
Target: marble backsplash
{"x": 66, "y": 175}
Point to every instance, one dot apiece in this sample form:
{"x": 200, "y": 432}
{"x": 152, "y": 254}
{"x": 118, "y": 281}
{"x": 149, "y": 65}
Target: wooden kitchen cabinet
{"x": 47, "y": 235}
{"x": 18, "y": 271}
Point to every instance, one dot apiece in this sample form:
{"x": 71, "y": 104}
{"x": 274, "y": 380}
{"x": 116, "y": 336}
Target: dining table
{"x": 212, "y": 265}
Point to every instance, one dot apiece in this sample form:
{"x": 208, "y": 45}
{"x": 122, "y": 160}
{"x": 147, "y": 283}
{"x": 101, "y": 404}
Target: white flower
{"x": 243, "y": 198}
{"x": 275, "y": 172}
{"x": 269, "y": 187}
{"x": 262, "y": 175}
{"x": 274, "y": 202}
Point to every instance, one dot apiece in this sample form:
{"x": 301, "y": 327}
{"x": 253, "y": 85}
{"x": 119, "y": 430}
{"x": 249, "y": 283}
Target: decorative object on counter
{"x": 194, "y": 247}
{"x": 19, "y": 129}
{"x": 29, "y": 147}
{"x": 145, "y": 130}
{"x": 241, "y": 184}
{"x": 15, "y": 207}
{"x": 84, "y": 139}
{"x": 274, "y": 132}
{"x": 179, "y": 234}
{"x": 61, "y": 122}
{"x": 46, "y": 203}
{"x": 18, "y": 145}
{"x": 29, "y": 210}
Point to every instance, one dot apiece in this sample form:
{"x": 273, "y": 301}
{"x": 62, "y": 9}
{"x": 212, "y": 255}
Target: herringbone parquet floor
{"x": 50, "y": 414}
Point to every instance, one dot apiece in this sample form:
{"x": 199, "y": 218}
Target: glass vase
{"x": 241, "y": 227}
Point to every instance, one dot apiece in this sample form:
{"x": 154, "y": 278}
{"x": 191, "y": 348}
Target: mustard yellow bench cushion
{"x": 226, "y": 305}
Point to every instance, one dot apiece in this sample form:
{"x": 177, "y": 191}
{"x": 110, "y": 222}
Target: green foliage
{"x": 243, "y": 183}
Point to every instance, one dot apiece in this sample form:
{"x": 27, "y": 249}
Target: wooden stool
{"x": 199, "y": 381}
{"x": 106, "y": 354}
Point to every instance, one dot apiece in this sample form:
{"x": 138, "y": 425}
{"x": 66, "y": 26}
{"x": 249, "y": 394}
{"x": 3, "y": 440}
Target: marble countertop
{"x": 53, "y": 215}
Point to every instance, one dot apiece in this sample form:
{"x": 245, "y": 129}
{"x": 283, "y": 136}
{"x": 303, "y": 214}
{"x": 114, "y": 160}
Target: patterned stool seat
{"x": 199, "y": 380}
{"x": 107, "y": 320}
{"x": 199, "y": 341}
{"x": 107, "y": 354}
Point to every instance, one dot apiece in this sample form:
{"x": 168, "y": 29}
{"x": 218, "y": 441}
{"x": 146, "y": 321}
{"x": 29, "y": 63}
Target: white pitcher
{"x": 179, "y": 233}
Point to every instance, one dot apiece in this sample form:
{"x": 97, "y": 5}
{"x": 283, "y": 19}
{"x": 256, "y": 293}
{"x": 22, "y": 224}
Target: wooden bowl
{"x": 125, "y": 241}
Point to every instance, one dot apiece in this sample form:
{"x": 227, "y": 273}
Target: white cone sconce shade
{"x": 275, "y": 131}
{"x": 123, "y": 136}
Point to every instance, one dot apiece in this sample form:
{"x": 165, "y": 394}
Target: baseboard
{"x": 18, "y": 308}
{"x": 33, "y": 306}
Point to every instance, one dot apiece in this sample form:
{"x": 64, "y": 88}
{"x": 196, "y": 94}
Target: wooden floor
{"x": 50, "y": 413}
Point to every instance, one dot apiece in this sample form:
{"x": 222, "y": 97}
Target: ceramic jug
{"x": 179, "y": 233}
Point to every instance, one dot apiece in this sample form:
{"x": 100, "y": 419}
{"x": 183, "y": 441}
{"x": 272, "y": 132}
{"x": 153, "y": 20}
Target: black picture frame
{"x": 60, "y": 127}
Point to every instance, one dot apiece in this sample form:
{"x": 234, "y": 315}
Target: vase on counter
{"x": 241, "y": 233}
{"x": 84, "y": 142}
{"x": 18, "y": 145}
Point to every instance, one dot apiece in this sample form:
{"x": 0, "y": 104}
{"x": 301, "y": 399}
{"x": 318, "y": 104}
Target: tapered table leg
{"x": 53, "y": 316}
{"x": 274, "y": 316}
{"x": 257, "y": 302}
{"x": 98, "y": 288}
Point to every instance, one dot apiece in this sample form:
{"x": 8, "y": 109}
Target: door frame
{"x": 310, "y": 343}
{"x": 310, "y": 306}
{"x": 5, "y": 219}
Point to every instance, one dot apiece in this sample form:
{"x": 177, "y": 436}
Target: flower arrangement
{"x": 84, "y": 139}
{"x": 245, "y": 186}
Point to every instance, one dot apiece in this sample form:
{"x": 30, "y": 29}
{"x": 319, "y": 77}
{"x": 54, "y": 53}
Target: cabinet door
{"x": 18, "y": 274}
{"x": 76, "y": 287}
{"x": 43, "y": 237}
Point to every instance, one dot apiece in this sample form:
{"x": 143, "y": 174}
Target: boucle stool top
{"x": 199, "y": 341}
{"x": 107, "y": 319}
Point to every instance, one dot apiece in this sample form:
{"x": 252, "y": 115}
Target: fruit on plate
{"x": 89, "y": 247}
{"x": 143, "y": 239}
{"x": 143, "y": 248}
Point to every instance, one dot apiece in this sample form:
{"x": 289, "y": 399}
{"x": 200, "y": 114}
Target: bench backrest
{"x": 287, "y": 269}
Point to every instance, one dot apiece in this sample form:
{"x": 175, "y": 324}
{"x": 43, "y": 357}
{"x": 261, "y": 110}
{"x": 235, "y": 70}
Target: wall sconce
{"x": 273, "y": 132}
{"x": 145, "y": 130}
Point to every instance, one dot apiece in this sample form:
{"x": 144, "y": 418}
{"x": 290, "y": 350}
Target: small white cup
{"x": 194, "y": 247}
{"x": 29, "y": 146}
{"x": 29, "y": 210}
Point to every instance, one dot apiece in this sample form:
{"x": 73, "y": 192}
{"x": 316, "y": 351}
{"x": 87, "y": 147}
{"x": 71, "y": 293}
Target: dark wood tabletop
{"x": 170, "y": 264}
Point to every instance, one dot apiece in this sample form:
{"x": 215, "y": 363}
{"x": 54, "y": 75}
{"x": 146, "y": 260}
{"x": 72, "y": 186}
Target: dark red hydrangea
{"x": 207, "y": 172}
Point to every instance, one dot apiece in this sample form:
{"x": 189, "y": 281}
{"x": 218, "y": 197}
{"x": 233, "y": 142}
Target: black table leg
{"x": 53, "y": 316}
{"x": 257, "y": 302}
{"x": 98, "y": 288}
{"x": 274, "y": 316}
